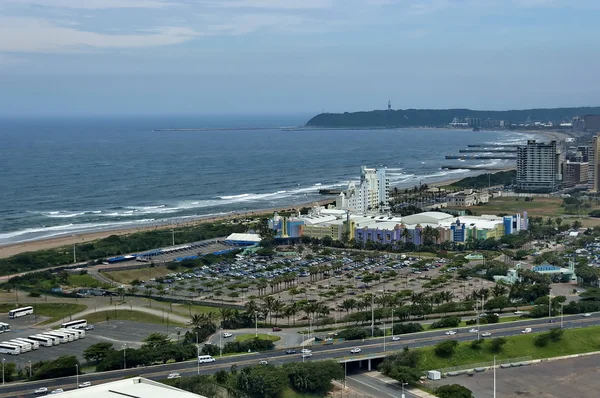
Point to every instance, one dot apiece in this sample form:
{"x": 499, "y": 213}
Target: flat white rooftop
{"x": 137, "y": 387}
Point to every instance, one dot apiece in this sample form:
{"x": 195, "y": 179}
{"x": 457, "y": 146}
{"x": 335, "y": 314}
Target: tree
{"x": 497, "y": 344}
{"x": 61, "y": 367}
{"x": 202, "y": 385}
{"x": 263, "y": 381}
{"x": 446, "y": 348}
{"x": 499, "y": 302}
{"x": 156, "y": 340}
{"x": 97, "y": 352}
{"x": 313, "y": 377}
{"x": 453, "y": 391}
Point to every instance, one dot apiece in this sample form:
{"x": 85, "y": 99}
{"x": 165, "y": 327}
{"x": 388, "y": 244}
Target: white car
{"x": 306, "y": 351}
{"x": 486, "y": 334}
{"x": 586, "y": 315}
{"x": 85, "y": 384}
{"x": 262, "y": 362}
{"x": 518, "y": 312}
{"x": 526, "y": 330}
{"x": 41, "y": 390}
{"x": 306, "y": 354}
{"x": 225, "y": 335}
{"x": 355, "y": 351}
{"x": 450, "y": 332}
{"x": 57, "y": 391}
{"x": 174, "y": 376}
{"x": 473, "y": 330}
{"x": 395, "y": 338}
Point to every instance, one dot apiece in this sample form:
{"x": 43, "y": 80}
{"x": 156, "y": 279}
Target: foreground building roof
{"x": 137, "y": 387}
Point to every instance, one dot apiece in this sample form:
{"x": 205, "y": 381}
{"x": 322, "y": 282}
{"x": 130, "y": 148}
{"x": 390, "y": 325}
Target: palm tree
{"x": 196, "y": 321}
{"x": 268, "y": 302}
{"x": 291, "y": 311}
{"x": 278, "y": 307}
{"x": 349, "y": 304}
{"x": 406, "y": 235}
{"x": 499, "y": 290}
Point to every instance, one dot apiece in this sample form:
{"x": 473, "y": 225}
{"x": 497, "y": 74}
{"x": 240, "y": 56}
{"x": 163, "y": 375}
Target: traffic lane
{"x": 324, "y": 352}
{"x": 376, "y": 388}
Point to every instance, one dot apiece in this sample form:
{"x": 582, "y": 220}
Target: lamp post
{"x": 477, "y": 317}
{"x": 197, "y": 353}
{"x": 30, "y": 369}
{"x": 372, "y": 316}
{"x": 255, "y": 323}
{"x": 124, "y": 356}
{"x": 220, "y": 342}
{"x": 303, "y": 344}
{"x": 345, "y": 372}
{"x": 494, "y": 376}
{"x": 3, "y": 370}
{"x": 383, "y": 336}
{"x": 403, "y": 384}
{"x": 392, "y": 324}
{"x": 561, "y": 314}
{"x": 77, "y": 375}
{"x": 550, "y": 304}
{"x": 74, "y": 251}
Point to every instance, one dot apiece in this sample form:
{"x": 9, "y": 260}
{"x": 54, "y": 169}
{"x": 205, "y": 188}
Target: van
{"x": 205, "y": 358}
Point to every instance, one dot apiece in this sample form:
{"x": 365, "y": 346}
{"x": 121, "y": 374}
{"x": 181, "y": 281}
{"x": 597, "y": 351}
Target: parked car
{"x": 174, "y": 376}
{"x": 355, "y": 351}
{"x": 89, "y": 327}
{"x": 41, "y": 390}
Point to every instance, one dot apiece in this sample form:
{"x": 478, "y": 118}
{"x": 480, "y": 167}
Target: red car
{"x": 276, "y": 329}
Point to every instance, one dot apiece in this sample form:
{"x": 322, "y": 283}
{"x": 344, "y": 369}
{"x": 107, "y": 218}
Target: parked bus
{"x": 9, "y": 349}
{"x": 34, "y": 344}
{"x": 69, "y": 332}
{"x": 205, "y": 358}
{"x": 78, "y": 324}
{"x": 4, "y": 327}
{"x": 20, "y": 312}
{"x": 63, "y": 338}
{"x": 25, "y": 347}
{"x": 47, "y": 341}
{"x": 80, "y": 332}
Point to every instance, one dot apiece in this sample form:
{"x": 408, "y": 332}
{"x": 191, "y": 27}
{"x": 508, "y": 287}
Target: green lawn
{"x": 574, "y": 341}
{"x": 184, "y": 309}
{"x": 261, "y": 336}
{"x": 538, "y": 207}
{"x": 56, "y": 311}
{"x": 289, "y": 393}
{"x": 142, "y": 274}
{"x": 126, "y": 315}
{"x": 86, "y": 281}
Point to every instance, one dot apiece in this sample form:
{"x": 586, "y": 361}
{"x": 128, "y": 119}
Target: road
{"x": 339, "y": 351}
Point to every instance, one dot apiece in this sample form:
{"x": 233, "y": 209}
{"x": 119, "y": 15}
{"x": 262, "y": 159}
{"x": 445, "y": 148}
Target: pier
{"x": 514, "y": 150}
{"x": 480, "y": 157}
{"x": 493, "y": 145}
{"x": 458, "y": 167}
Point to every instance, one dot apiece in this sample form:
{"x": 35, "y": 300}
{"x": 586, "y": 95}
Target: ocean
{"x": 74, "y": 175}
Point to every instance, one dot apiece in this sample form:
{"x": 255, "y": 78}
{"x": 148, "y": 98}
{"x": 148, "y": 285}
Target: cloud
{"x": 269, "y": 4}
{"x": 95, "y": 4}
{"x": 38, "y": 35}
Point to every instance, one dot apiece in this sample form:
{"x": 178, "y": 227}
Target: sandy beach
{"x": 12, "y": 249}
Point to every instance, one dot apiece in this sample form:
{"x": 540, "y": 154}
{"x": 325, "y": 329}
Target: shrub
{"x": 446, "y": 348}
{"x": 542, "y": 340}
{"x": 497, "y": 344}
{"x": 446, "y": 322}
{"x": 453, "y": 391}
{"x": 476, "y": 344}
{"x": 555, "y": 334}
{"x": 411, "y": 327}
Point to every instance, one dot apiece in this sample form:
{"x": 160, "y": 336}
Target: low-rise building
{"x": 468, "y": 197}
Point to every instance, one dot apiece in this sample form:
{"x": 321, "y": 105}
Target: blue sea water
{"x": 67, "y": 176}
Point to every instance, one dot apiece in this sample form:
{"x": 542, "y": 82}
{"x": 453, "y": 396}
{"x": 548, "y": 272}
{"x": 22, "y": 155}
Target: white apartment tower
{"x": 372, "y": 194}
{"x": 538, "y": 167}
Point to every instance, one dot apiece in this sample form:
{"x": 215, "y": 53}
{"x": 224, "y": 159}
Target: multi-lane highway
{"x": 371, "y": 348}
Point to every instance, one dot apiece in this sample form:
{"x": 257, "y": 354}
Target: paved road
{"x": 376, "y": 388}
{"x": 340, "y": 351}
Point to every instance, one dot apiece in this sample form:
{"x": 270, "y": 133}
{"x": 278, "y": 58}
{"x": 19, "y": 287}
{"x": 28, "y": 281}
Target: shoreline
{"x": 11, "y": 249}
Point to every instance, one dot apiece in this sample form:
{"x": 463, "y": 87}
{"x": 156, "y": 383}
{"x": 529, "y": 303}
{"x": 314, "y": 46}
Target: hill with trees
{"x": 441, "y": 117}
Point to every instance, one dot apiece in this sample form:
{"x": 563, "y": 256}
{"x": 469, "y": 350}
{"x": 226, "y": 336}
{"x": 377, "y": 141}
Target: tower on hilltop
{"x": 389, "y": 105}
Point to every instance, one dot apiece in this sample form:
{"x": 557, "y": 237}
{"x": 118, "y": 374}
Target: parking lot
{"x": 117, "y": 332}
{"x": 577, "y": 377}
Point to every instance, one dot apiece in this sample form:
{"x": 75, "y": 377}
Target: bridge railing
{"x": 485, "y": 364}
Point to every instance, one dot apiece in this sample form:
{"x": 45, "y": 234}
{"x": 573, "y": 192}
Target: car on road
{"x": 263, "y": 363}
{"x": 586, "y": 314}
{"x": 450, "y": 333}
{"x": 276, "y": 329}
{"x": 173, "y": 376}
{"x": 41, "y": 390}
{"x": 226, "y": 335}
{"x": 518, "y": 312}
{"x": 306, "y": 354}
{"x": 85, "y": 384}
{"x": 89, "y": 327}
{"x": 395, "y": 338}
{"x": 486, "y": 334}
{"x": 290, "y": 352}
{"x": 473, "y": 330}
{"x": 57, "y": 391}
{"x": 526, "y": 330}
{"x": 355, "y": 351}
{"x": 306, "y": 351}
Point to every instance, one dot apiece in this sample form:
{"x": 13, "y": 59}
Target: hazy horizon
{"x": 206, "y": 57}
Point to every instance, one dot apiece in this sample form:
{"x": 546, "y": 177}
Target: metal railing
{"x": 485, "y": 364}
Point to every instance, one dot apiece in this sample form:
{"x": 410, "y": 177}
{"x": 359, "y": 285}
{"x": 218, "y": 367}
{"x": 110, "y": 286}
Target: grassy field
{"x": 86, "y": 281}
{"x": 546, "y": 207}
{"x": 574, "y": 341}
{"x": 126, "y": 315}
{"x": 182, "y": 309}
{"x": 55, "y": 311}
{"x": 261, "y": 336}
{"x": 142, "y": 274}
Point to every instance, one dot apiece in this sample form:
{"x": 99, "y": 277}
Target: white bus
{"x": 34, "y": 344}
{"x": 4, "y": 327}
{"x": 69, "y": 332}
{"x": 63, "y": 338}
{"x": 78, "y": 324}
{"x": 20, "y": 312}
{"x": 205, "y": 358}
{"x": 79, "y": 332}
{"x": 47, "y": 341}
{"x": 10, "y": 349}
{"x": 25, "y": 347}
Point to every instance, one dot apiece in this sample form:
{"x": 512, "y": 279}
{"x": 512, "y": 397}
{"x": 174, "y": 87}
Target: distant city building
{"x": 574, "y": 173}
{"x": 592, "y": 122}
{"x": 468, "y": 198}
{"x": 538, "y": 167}
{"x": 372, "y": 193}
{"x": 578, "y": 124}
{"x": 286, "y": 227}
{"x": 594, "y": 164}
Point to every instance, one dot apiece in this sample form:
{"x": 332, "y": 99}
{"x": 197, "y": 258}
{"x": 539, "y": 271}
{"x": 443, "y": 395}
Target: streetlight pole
{"x": 74, "y": 252}
{"x": 255, "y": 323}
{"x": 197, "y": 353}
{"x": 345, "y": 372}
{"x": 77, "y": 375}
{"x": 372, "y": 316}
{"x": 477, "y": 317}
{"x": 30, "y": 369}
{"x": 561, "y": 314}
{"x": 124, "y": 356}
{"x": 383, "y": 336}
{"x": 550, "y": 304}
{"x": 3, "y": 370}
{"x": 494, "y": 376}
{"x": 403, "y": 384}
{"x": 221, "y": 342}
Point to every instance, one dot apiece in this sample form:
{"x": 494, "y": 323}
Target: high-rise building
{"x": 574, "y": 173}
{"x": 372, "y": 194}
{"x": 538, "y": 167}
{"x": 592, "y": 122}
{"x": 593, "y": 167}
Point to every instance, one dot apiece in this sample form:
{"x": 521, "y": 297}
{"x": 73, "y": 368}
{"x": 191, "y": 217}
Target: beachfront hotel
{"x": 371, "y": 195}
{"x": 321, "y": 222}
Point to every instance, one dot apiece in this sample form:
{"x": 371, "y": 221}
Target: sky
{"x": 119, "y": 57}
